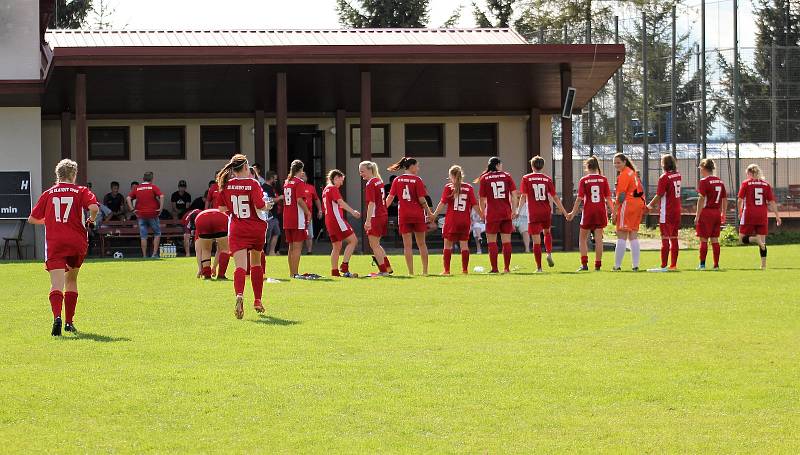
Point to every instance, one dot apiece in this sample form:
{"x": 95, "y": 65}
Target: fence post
{"x": 645, "y": 107}
{"x": 774, "y": 114}
{"x": 591, "y": 100}
{"x": 618, "y": 92}
{"x": 673, "y": 89}
{"x": 736, "y": 86}
{"x": 703, "y": 78}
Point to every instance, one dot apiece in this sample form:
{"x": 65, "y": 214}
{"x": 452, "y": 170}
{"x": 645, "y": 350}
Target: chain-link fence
{"x": 662, "y": 101}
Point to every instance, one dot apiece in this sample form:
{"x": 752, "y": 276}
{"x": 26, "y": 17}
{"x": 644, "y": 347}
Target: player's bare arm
{"x": 348, "y": 209}
{"x": 701, "y": 201}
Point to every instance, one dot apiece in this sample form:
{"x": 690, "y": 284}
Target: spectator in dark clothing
{"x": 115, "y": 203}
{"x": 180, "y": 201}
{"x": 132, "y": 212}
{"x": 273, "y": 223}
{"x": 199, "y": 203}
{"x": 392, "y": 209}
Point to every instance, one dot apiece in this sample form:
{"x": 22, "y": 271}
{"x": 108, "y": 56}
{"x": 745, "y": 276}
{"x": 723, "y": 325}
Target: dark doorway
{"x": 307, "y": 144}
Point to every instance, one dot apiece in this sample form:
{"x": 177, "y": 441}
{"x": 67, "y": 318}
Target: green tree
{"x": 498, "y": 13}
{"x": 71, "y": 14}
{"x": 384, "y": 13}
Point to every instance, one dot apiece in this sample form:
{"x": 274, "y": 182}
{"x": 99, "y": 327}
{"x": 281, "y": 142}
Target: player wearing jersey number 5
{"x": 296, "y": 216}
{"x": 498, "y": 201}
{"x": 712, "y": 203}
{"x": 377, "y": 217}
{"x": 668, "y": 201}
{"x": 61, "y": 209}
{"x": 755, "y": 195}
{"x": 241, "y": 196}
{"x": 412, "y": 210}
{"x": 336, "y": 224}
{"x": 628, "y": 211}
{"x": 538, "y": 193}
{"x": 595, "y": 194}
{"x": 459, "y": 199}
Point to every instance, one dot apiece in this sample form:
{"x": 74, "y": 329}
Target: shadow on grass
{"x": 88, "y": 336}
{"x": 272, "y": 320}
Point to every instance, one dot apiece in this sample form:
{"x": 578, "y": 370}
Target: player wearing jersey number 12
{"x": 337, "y": 226}
{"x": 459, "y": 199}
{"x": 499, "y": 201}
{"x": 60, "y": 209}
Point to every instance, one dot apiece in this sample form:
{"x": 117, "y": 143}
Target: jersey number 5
{"x": 57, "y": 203}
{"x": 758, "y": 196}
{"x": 241, "y": 206}
{"x": 499, "y": 190}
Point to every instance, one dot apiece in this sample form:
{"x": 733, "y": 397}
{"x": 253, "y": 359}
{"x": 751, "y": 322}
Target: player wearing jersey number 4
{"x": 668, "y": 203}
{"x": 337, "y": 226}
{"x": 498, "y": 201}
{"x": 412, "y": 210}
{"x": 595, "y": 194}
{"x": 712, "y": 202}
{"x": 539, "y": 192}
{"x": 376, "y": 219}
{"x": 459, "y": 200}
{"x": 755, "y": 195}
{"x": 61, "y": 209}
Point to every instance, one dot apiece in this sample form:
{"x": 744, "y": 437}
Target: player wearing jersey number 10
{"x": 337, "y": 226}
{"x": 498, "y": 201}
{"x": 595, "y": 194}
{"x": 754, "y": 196}
{"x": 60, "y": 209}
{"x": 712, "y": 203}
{"x": 459, "y": 199}
{"x": 241, "y": 196}
{"x": 412, "y": 210}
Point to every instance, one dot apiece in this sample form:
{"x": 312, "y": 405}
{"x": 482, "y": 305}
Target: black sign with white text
{"x": 15, "y": 195}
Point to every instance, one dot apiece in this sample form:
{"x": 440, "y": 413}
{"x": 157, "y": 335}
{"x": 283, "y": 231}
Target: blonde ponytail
{"x": 237, "y": 163}
{"x": 458, "y": 177}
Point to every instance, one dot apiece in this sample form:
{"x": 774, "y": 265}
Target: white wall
{"x": 19, "y": 39}
{"x": 20, "y": 145}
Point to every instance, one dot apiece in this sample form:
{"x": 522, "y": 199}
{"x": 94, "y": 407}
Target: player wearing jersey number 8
{"x": 595, "y": 194}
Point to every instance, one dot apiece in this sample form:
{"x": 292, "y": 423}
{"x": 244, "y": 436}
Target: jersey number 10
{"x": 241, "y": 206}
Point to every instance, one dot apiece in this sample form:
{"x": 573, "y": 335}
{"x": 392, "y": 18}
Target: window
{"x": 425, "y": 139}
{"x": 477, "y": 139}
{"x": 380, "y": 141}
{"x": 164, "y": 143}
{"x": 108, "y": 143}
{"x": 219, "y": 142}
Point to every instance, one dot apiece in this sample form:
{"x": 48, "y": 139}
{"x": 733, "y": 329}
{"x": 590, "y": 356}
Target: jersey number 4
{"x": 406, "y": 193}
{"x": 499, "y": 190}
{"x": 241, "y": 206}
{"x": 57, "y": 203}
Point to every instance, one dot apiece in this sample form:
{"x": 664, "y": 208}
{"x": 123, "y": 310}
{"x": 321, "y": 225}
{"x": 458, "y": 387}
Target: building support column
{"x": 81, "y": 130}
{"x": 341, "y": 145}
{"x": 534, "y": 134}
{"x": 260, "y": 152}
{"x": 66, "y": 135}
{"x": 365, "y": 127}
{"x": 281, "y": 127}
{"x": 566, "y": 157}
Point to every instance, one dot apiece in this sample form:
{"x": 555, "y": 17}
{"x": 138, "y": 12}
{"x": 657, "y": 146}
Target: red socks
{"x": 585, "y": 261}
{"x": 345, "y": 267}
{"x": 257, "y": 281}
{"x": 238, "y": 280}
{"x": 207, "y": 272}
{"x": 703, "y": 252}
{"x": 506, "y": 256}
{"x": 70, "y": 302}
{"x": 493, "y": 256}
{"x": 447, "y": 253}
{"x": 335, "y": 272}
{"x": 664, "y": 252}
{"x": 382, "y": 267}
{"x": 222, "y": 267}
{"x": 674, "y": 248}
{"x": 465, "y": 261}
{"x": 548, "y": 243}
{"x": 598, "y": 265}
{"x": 715, "y": 247}
{"x": 386, "y": 264}
{"x": 537, "y": 254}
{"x": 56, "y": 297}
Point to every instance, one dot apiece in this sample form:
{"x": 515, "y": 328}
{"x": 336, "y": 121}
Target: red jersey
{"x": 375, "y": 192}
{"x": 459, "y": 208}
{"x": 147, "y": 196}
{"x": 242, "y": 196}
{"x": 593, "y": 190}
{"x": 408, "y": 188}
{"x": 334, "y": 214}
{"x": 756, "y": 194}
{"x": 62, "y": 208}
{"x": 310, "y": 195}
{"x": 188, "y": 218}
{"x": 669, "y": 188}
{"x": 538, "y": 188}
{"x": 293, "y": 215}
{"x": 714, "y": 191}
{"x": 211, "y": 197}
{"x": 497, "y": 187}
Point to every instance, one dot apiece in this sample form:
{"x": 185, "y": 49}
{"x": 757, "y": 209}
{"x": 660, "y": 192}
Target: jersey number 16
{"x": 241, "y": 206}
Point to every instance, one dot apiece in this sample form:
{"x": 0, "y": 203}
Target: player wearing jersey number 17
{"x": 376, "y": 219}
{"x": 712, "y": 203}
{"x": 337, "y": 226}
{"x": 668, "y": 201}
{"x": 60, "y": 209}
{"x": 459, "y": 199}
{"x": 499, "y": 200}
{"x": 241, "y": 196}
{"x": 595, "y": 194}
{"x": 412, "y": 210}
{"x": 538, "y": 193}
{"x": 755, "y": 195}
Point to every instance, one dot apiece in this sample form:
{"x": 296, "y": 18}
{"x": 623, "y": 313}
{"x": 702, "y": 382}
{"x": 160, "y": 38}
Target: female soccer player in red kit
{"x": 296, "y": 215}
{"x": 377, "y": 217}
{"x": 539, "y": 191}
{"x": 242, "y": 197}
{"x": 498, "y": 202}
{"x": 668, "y": 198}
{"x": 337, "y": 226}
{"x": 459, "y": 198}
{"x": 210, "y": 226}
{"x": 61, "y": 210}
{"x": 595, "y": 194}
{"x": 712, "y": 203}
{"x": 754, "y": 196}
{"x": 412, "y": 209}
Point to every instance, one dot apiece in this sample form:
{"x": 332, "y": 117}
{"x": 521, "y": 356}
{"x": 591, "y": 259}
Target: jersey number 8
{"x": 595, "y": 191}
{"x": 241, "y": 206}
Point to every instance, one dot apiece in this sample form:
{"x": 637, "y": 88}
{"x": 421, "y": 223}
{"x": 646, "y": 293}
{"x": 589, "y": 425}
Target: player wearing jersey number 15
{"x": 60, "y": 209}
{"x": 459, "y": 199}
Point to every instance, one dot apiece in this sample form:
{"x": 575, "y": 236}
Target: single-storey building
{"x": 180, "y": 102}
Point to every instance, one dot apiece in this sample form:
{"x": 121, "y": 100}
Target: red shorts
{"x": 64, "y": 256}
{"x": 406, "y": 228}
{"x": 753, "y": 229}
{"x": 669, "y": 229}
{"x": 247, "y": 237}
{"x": 337, "y": 235}
{"x": 378, "y": 226}
{"x": 295, "y": 235}
{"x": 456, "y": 236}
{"x": 499, "y": 227}
{"x": 536, "y": 228}
{"x": 207, "y": 223}
{"x": 591, "y": 221}
{"x": 709, "y": 224}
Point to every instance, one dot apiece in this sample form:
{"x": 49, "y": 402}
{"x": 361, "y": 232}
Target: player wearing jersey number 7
{"x": 459, "y": 199}
{"x": 628, "y": 212}
{"x": 539, "y": 192}
{"x": 499, "y": 201}
{"x": 376, "y": 219}
{"x": 61, "y": 209}
{"x": 595, "y": 194}
{"x": 668, "y": 201}
{"x": 712, "y": 202}
{"x": 336, "y": 224}
{"x": 412, "y": 210}
{"x": 755, "y": 195}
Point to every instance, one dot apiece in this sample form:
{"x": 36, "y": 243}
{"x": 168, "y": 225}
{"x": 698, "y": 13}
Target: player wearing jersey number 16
{"x": 459, "y": 199}
{"x": 755, "y": 195}
{"x": 337, "y": 226}
{"x": 60, "y": 209}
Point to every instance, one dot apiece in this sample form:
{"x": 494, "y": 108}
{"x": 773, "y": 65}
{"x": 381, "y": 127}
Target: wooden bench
{"x": 110, "y": 230}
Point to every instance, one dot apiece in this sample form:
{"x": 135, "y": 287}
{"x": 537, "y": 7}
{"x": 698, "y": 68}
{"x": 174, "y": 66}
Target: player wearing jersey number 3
{"x": 336, "y": 224}
{"x": 755, "y": 195}
{"x": 499, "y": 200}
{"x": 60, "y": 209}
{"x": 459, "y": 199}
{"x": 412, "y": 210}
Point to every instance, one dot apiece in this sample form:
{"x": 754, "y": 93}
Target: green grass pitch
{"x": 562, "y": 362}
